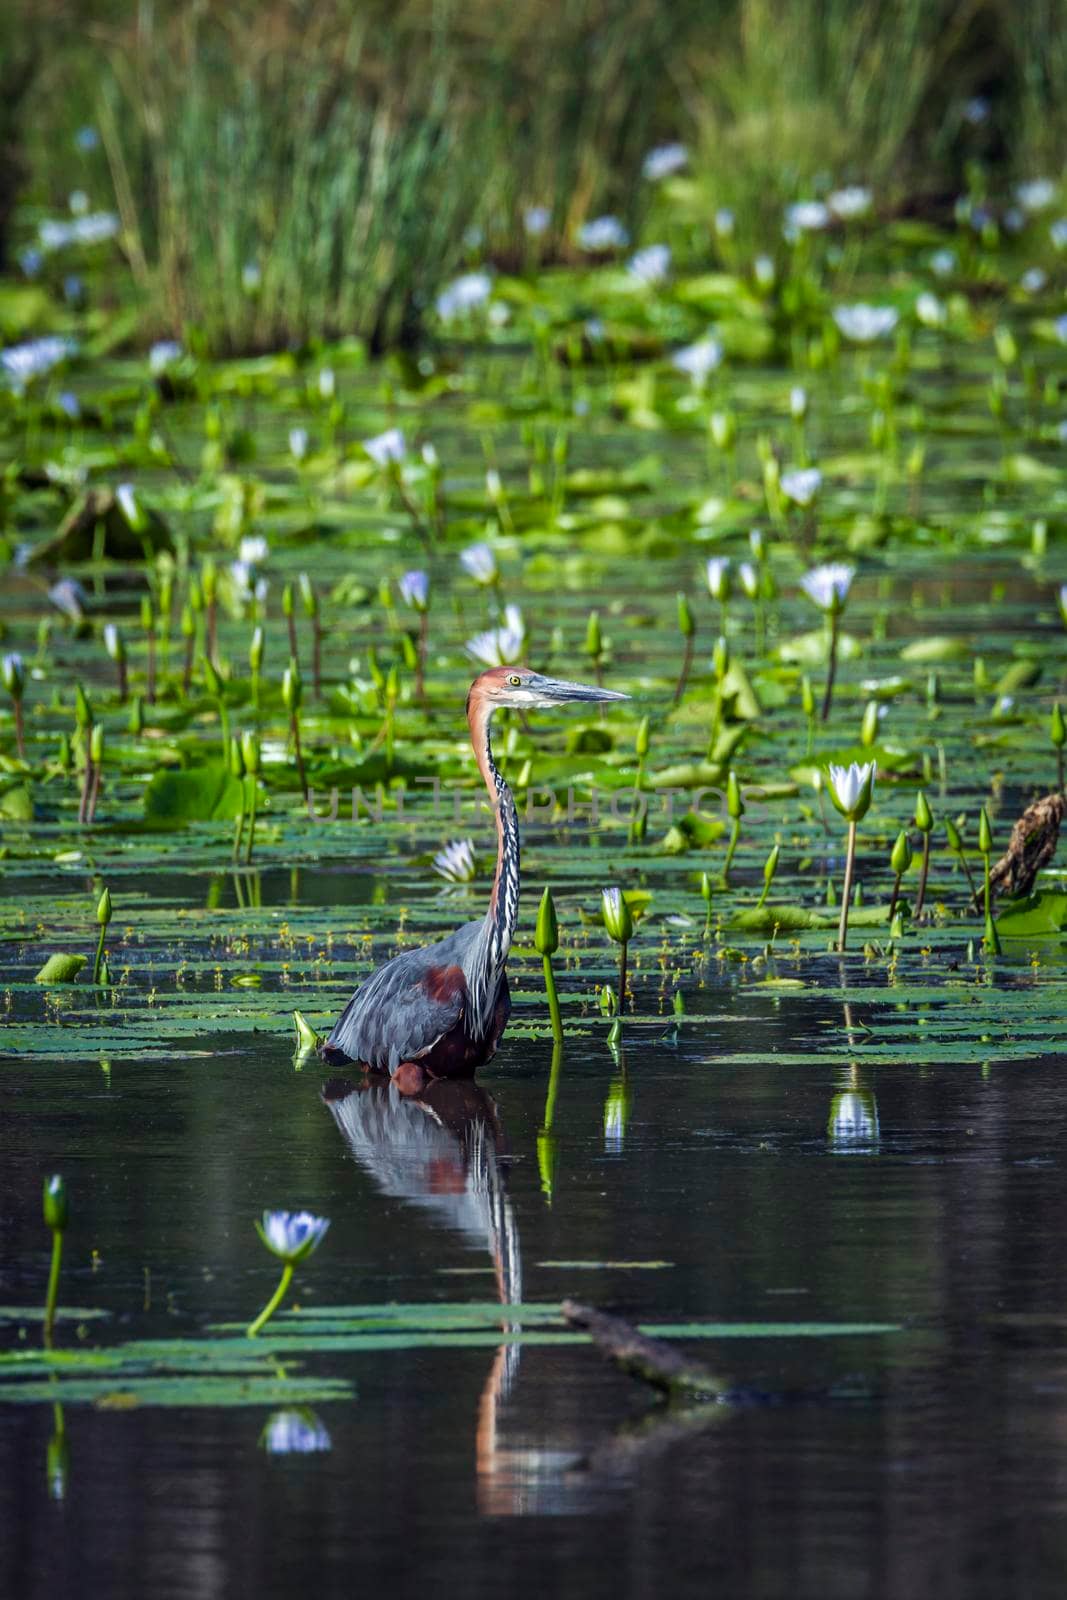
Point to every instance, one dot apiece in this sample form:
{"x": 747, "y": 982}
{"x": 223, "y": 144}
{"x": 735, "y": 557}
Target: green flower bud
{"x": 642, "y": 738}
{"x": 55, "y": 1203}
{"x": 237, "y": 765}
{"x": 1006, "y": 347}
{"x": 685, "y": 618}
{"x": 250, "y": 752}
{"x": 103, "y": 908}
{"x": 136, "y": 721}
{"x": 196, "y": 595}
{"x": 209, "y": 581}
{"x": 83, "y": 711}
{"x": 546, "y": 933}
{"x": 985, "y": 833}
{"x": 212, "y": 680}
{"x": 770, "y": 866}
{"x": 807, "y": 696}
{"x": 901, "y": 856}
{"x": 148, "y": 619}
{"x": 308, "y": 597}
{"x": 96, "y": 743}
{"x": 723, "y": 427}
{"x": 255, "y": 649}
{"x": 953, "y": 835}
{"x": 287, "y": 600}
{"x": 869, "y": 728}
{"x": 618, "y": 918}
{"x": 14, "y": 675}
{"x": 292, "y": 687}
{"x": 720, "y": 657}
{"x": 594, "y": 644}
{"x": 1057, "y": 727}
{"x": 707, "y": 888}
{"x": 187, "y": 622}
{"x": 734, "y": 804}
{"x": 924, "y": 817}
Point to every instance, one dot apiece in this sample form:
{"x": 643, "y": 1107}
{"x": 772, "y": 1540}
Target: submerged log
{"x": 1032, "y": 846}
{"x": 652, "y": 1360}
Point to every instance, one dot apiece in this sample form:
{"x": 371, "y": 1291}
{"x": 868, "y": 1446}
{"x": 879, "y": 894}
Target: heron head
{"x": 519, "y": 686}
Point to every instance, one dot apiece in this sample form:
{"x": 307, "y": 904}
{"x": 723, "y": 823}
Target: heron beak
{"x": 559, "y": 691}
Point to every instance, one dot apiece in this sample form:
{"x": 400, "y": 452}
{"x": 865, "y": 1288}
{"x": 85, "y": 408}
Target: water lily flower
{"x": 863, "y": 324}
{"x": 253, "y": 550}
{"x": 73, "y": 289}
{"x": 651, "y": 265}
{"x": 30, "y": 262}
{"x": 1036, "y": 195}
{"x": 828, "y": 585}
{"x": 292, "y": 1235}
{"x": 86, "y": 140}
{"x": 247, "y": 584}
{"x": 977, "y": 110}
{"x": 603, "y": 234}
{"x": 499, "y": 647}
{"x": 414, "y": 588}
{"x": 764, "y": 273}
{"x": 456, "y": 861}
{"x": 1058, "y": 233}
{"x": 851, "y": 202}
{"x": 805, "y": 216}
{"x": 801, "y": 485}
{"x": 22, "y": 363}
{"x": 724, "y": 222}
{"x": 70, "y": 405}
{"x": 78, "y": 201}
{"x": 387, "y": 449}
{"x": 68, "y": 596}
{"x": 718, "y": 576}
{"x": 164, "y": 354}
{"x": 851, "y": 789}
{"x": 798, "y": 403}
{"x": 931, "y": 311}
{"x": 749, "y": 576}
{"x": 1033, "y": 280}
{"x": 943, "y": 263}
{"x": 463, "y": 295}
{"x": 536, "y": 220}
{"x": 82, "y": 230}
{"x": 298, "y": 443}
{"x": 698, "y": 360}
{"x": 251, "y": 277}
{"x": 299, "y": 1433}
{"x": 479, "y": 562}
{"x": 664, "y": 161}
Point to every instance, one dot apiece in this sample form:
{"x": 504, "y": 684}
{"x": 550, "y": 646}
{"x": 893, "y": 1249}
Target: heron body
{"x": 441, "y": 1011}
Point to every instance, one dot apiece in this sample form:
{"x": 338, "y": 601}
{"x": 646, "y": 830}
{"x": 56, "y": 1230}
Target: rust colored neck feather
{"x": 503, "y": 913}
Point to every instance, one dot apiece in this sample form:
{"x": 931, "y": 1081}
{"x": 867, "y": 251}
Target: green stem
{"x": 553, "y": 1084}
{"x": 921, "y": 896}
{"x": 735, "y": 834}
{"x": 965, "y": 864}
{"x": 251, "y": 821}
{"x": 895, "y": 895}
{"x": 53, "y": 1286}
{"x": 683, "y": 676}
{"x": 274, "y": 1302}
{"x": 553, "y": 1000}
{"x": 831, "y": 669}
{"x": 622, "y": 976}
{"x": 846, "y": 893}
{"x": 239, "y": 830}
{"x": 99, "y": 953}
{"x": 991, "y": 939}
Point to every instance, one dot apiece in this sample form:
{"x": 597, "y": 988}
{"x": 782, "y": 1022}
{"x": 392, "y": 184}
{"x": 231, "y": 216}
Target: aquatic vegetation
{"x": 851, "y": 790}
{"x": 291, "y": 1236}
{"x": 56, "y": 1217}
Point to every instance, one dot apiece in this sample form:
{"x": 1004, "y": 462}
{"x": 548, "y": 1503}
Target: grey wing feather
{"x": 391, "y": 1018}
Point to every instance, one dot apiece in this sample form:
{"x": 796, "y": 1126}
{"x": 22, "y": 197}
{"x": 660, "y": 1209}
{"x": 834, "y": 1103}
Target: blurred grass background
{"x": 285, "y": 170}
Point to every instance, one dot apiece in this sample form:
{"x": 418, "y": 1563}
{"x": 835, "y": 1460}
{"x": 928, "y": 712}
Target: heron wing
{"x": 405, "y": 1007}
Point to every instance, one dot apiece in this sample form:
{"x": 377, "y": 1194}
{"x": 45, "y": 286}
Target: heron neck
{"x": 503, "y": 913}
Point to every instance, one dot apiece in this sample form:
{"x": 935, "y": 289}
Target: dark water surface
{"x": 927, "y": 1459}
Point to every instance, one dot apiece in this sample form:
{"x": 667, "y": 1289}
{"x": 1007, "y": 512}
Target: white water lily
{"x": 749, "y": 577}
{"x": 295, "y": 1433}
{"x": 698, "y": 361}
{"x": 801, "y": 485}
{"x": 798, "y": 403}
{"x": 253, "y": 549}
{"x": 805, "y": 216}
{"x": 163, "y": 354}
{"x": 464, "y": 294}
{"x": 931, "y": 311}
{"x": 247, "y": 584}
{"x": 618, "y": 918}
{"x": 457, "y": 862}
{"x": 112, "y": 641}
{"x": 388, "y": 448}
{"x": 84, "y": 230}
{"x": 68, "y": 596}
{"x": 603, "y": 234}
{"x": 292, "y": 1235}
{"x": 851, "y": 789}
{"x": 725, "y": 222}
{"x": 499, "y": 647}
{"x": 863, "y": 324}
{"x": 664, "y": 161}
{"x": 718, "y": 576}
{"x": 650, "y": 265}
{"x": 764, "y": 273}
{"x": 22, "y": 363}
{"x": 1033, "y": 280}
{"x": 536, "y": 221}
{"x": 299, "y": 440}
{"x": 1036, "y": 195}
{"x": 12, "y": 673}
{"x": 414, "y": 588}
{"x": 479, "y": 562}
{"x": 828, "y": 585}
{"x": 943, "y": 263}
{"x": 851, "y": 202}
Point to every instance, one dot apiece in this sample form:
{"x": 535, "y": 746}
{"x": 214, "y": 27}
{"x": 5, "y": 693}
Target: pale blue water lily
{"x": 464, "y": 295}
{"x": 298, "y": 443}
{"x": 479, "y": 562}
{"x": 864, "y": 324}
{"x": 414, "y": 588}
{"x": 292, "y": 1235}
{"x": 500, "y": 647}
{"x": 457, "y": 861}
{"x": 603, "y": 234}
{"x": 850, "y": 202}
{"x": 1033, "y": 280}
{"x": 801, "y": 485}
{"x": 1035, "y": 195}
{"x": 164, "y": 353}
{"x": 828, "y": 585}
{"x": 650, "y": 265}
{"x": 763, "y": 270}
{"x": 943, "y": 263}
{"x": 930, "y": 311}
{"x": 536, "y": 220}
{"x": 724, "y": 222}
{"x": 805, "y": 216}
{"x": 698, "y": 361}
{"x": 664, "y": 161}
{"x": 251, "y": 277}
{"x": 798, "y": 403}
{"x": 96, "y": 228}
{"x": 1058, "y": 233}
{"x": 717, "y": 573}
{"x": 22, "y": 363}
{"x": 388, "y": 448}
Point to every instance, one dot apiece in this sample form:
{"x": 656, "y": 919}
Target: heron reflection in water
{"x": 444, "y": 1151}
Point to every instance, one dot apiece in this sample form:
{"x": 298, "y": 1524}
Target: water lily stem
{"x": 846, "y": 893}
{"x": 53, "y": 1283}
{"x": 20, "y": 737}
{"x": 683, "y": 676}
{"x": 990, "y": 938}
{"x": 895, "y": 895}
{"x": 735, "y": 835}
{"x": 831, "y": 670}
{"x": 274, "y": 1302}
{"x": 295, "y": 728}
{"x": 251, "y": 819}
{"x": 622, "y": 975}
{"x": 98, "y": 963}
{"x": 553, "y": 1000}
{"x": 924, "y": 870}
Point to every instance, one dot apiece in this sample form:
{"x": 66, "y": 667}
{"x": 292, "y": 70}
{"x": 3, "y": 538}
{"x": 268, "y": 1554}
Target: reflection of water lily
{"x": 294, "y": 1433}
{"x": 616, "y": 1116}
{"x": 863, "y": 324}
{"x": 664, "y": 161}
{"x": 456, "y": 861}
{"x": 853, "y": 1121}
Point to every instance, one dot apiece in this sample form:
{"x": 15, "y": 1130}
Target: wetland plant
{"x": 990, "y": 938}
{"x": 618, "y": 920}
{"x": 14, "y": 675}
{"x": 546, "y": 943}
{"x": 924, "y": 821}
{"x": 827, "y": 587}
{"x": 851, "y": 789}
{"x": 55, "y": 1220}
{"x": 900, "y": 859}
{"x": 103, "y": 917}
{"x": 291, "y": 1236}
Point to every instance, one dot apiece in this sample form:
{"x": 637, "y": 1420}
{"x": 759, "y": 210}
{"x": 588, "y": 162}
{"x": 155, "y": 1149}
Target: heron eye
{"x": 515, "y": 681}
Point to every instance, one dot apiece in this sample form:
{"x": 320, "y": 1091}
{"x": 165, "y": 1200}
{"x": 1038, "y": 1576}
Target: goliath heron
{"x": 441, "y": 1011}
